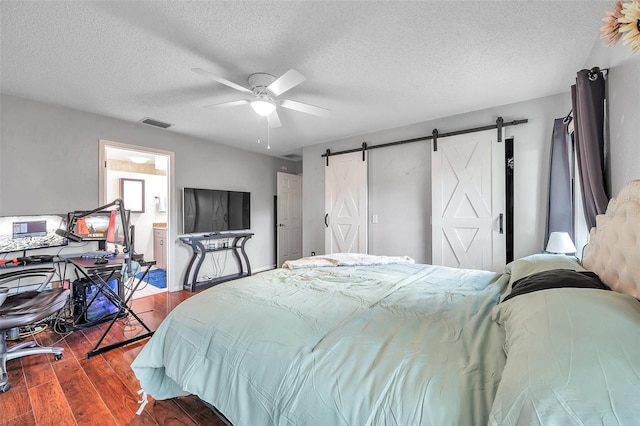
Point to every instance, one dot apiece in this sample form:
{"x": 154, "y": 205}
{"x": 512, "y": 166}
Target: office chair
{"x": 26, "y": 308}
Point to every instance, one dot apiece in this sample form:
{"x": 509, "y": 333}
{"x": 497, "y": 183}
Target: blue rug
{"x": 155, "y": 277}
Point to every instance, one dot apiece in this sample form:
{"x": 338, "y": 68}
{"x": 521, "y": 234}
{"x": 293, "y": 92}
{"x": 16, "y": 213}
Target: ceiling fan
{"x": 265, "y": 90}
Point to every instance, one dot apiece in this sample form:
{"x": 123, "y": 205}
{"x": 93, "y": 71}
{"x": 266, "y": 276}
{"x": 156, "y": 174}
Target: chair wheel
{"x": 57, "y": 357}
{"x": 5, "y": 387}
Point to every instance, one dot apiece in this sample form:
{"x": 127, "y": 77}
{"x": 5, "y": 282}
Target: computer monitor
{"x": 20, "y": 233}
{"x": 102, "y": 226}
{"x": 93, "y": 227}
{"x": 115, "y": 233}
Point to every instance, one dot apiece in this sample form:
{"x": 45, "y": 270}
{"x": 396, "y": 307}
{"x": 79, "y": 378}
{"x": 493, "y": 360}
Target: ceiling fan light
{"x": 138, "y": 160}
{"x": 263, "y": 107}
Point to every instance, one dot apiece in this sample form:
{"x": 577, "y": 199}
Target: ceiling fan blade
{"x": 286, "y": 81}
{"x": 309, "y": 109}
{"x": 221, "y": 80}
{"x": 227, "y": 104}
{"x": 274, "y": 119}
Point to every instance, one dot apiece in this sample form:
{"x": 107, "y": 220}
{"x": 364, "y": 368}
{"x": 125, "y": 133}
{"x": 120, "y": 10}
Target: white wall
{"x": 399, "y": 179}
{"x": 49, "y": 163}
{"x": 155, "y": 185}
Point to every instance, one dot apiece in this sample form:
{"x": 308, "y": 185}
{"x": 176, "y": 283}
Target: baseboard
{"x": 253, "y": 271}
{"x": 263, "y": 268}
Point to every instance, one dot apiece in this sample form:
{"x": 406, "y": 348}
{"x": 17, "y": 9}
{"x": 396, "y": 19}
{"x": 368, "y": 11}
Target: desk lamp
{"x": 560, "y": 243}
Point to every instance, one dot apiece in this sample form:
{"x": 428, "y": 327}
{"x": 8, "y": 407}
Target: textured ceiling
{"x": 375, "y": 65}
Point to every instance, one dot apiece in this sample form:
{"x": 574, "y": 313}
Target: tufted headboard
{"x": 613, "y": 251}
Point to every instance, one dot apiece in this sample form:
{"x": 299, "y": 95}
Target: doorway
{"x": 288, "y": 218}
{"x": 141, "y": 177}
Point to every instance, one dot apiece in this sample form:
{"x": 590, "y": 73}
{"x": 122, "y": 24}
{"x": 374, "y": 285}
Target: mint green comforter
{"x": 394, "y": 344}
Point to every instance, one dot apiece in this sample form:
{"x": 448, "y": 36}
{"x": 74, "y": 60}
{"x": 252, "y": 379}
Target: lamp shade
{"x": 560, "y": 242}
{"x": 263, "y": 107}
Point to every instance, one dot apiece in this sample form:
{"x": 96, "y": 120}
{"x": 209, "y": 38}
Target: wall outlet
{"x": 374, "y": 218}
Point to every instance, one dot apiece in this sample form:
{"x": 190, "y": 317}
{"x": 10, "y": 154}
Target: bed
{"x": 356, "y": 339}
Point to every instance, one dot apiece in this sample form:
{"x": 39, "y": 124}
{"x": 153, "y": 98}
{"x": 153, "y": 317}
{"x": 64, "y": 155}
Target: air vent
{"x": 292, "y": 157}
{"x": 156, "y": 123}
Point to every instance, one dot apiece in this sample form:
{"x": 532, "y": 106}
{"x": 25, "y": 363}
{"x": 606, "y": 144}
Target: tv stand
{"x": 208, "y": 243}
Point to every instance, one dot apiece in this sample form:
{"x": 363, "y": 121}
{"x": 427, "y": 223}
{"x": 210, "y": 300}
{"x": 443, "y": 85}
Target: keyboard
{"x": 97, "y": 254}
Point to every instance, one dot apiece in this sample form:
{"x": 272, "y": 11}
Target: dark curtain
{"x": 509, "y": 177}
{"x": 560, "y": 205}
{"x": 588, "y": 98}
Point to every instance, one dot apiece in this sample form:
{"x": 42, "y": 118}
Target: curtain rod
{"x": 435, "y": 135}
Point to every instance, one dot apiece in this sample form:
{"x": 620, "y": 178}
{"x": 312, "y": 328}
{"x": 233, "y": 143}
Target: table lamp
{"x": 560, "y": 243}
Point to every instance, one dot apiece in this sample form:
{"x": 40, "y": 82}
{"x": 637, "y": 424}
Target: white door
{"x": 346, "y": 204}
{"x": 289, "y": 217}
{"x": 468, "y": 202}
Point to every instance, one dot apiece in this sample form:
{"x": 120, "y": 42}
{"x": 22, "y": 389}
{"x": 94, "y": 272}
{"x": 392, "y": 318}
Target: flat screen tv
{"x": 214, "y": 210}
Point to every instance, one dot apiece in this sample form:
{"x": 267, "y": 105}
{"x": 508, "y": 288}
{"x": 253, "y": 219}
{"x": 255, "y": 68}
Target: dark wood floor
{"x": 97, "y": 391}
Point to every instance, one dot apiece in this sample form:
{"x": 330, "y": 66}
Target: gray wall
{"x": 399, "y": 179}
{"x": 623, "y": 163}
{"x": 49, "y": 164}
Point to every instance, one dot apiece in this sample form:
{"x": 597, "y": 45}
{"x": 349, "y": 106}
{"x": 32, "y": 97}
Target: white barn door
{"x": 468, "y": 202}
{"x": 346, "y": 204}
{"x": 289, "y": 217}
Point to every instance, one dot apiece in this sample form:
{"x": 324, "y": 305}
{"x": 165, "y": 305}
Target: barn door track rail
{"x": 435, "y": 135}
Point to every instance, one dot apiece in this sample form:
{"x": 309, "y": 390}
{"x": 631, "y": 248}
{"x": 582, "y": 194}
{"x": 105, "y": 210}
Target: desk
{"x": 96, "y": 273}
{"x": 200, "y": 249}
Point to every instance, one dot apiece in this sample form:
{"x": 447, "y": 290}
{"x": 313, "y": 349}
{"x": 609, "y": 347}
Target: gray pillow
{"x": 528, "y": 265}
{"x": 572, "y": 358}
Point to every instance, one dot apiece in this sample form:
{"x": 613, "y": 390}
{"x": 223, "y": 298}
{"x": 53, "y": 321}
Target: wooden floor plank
{"x": 94, "y": 334}
{"x": 111, "y": 389}
{"x": 144, "y": 304}
{"x": 24, "y": 420}
{"x": 15, "y": 402}
{"x": 37, "y": 369}
{"x": 83, "y": 398}
{"x": 79, "y": 345}
{"x": 50, "y": 405}
{"x": 198, "y": 411}
{"x": 101, "y": 390}
{"x": 51, "y": 338}
{"x": 168, "y": 413}
{"x": 119, "y": 362}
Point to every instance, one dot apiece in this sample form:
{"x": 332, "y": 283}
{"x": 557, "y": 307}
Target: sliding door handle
{"x": 326, "y": 220}
{"x": 501, "y": 220}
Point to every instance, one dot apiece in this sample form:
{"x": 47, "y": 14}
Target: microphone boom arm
{"x": 123, "y": 218}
